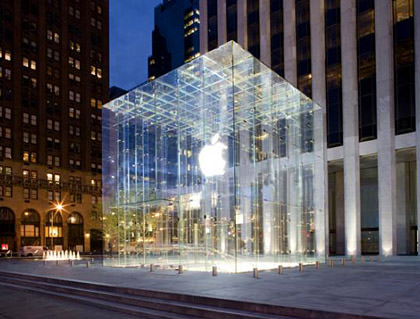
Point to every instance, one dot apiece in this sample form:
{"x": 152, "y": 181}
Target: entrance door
{"x": 75, "y": 230}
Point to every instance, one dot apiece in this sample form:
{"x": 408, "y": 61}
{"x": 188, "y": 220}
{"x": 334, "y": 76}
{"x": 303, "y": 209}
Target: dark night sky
{"x": 130, "y": 35}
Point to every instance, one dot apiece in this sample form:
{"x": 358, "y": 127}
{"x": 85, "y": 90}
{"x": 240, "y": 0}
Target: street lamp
{"x": 58, "y": 208}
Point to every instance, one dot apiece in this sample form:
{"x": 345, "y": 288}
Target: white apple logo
{"x": 211, "y": 158}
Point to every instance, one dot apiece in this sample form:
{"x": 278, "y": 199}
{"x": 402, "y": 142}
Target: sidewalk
{"x": 389, "y": 289}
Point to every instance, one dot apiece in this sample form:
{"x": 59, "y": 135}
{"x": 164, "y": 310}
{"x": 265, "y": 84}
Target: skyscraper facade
{"x": 53, "y": 83}
{"x": 359, "y": 60}
{"x": 175, "y": 39}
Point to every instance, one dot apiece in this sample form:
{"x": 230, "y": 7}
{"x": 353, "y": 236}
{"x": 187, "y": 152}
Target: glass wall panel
{"x": 200, "y": 172}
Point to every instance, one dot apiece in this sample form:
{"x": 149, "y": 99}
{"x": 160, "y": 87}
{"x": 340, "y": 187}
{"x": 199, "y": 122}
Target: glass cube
{"x": 217, "y": 163}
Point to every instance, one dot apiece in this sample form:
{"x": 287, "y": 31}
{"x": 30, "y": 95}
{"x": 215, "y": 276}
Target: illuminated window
{"x": 33, "y": 157}
{"x": 25, "y": 137}
{"x": 25, "y": 156}
{"x": 33, "y": 120}
{"x": 25, "y": 62}
{"x": 8, "y": 152}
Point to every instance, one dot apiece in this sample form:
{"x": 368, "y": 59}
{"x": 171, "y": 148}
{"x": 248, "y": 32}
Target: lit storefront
{"x": 217, "y": 163}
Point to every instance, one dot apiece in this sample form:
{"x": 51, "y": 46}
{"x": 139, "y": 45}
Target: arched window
{"x": 75, "y": 218}
{"x": 29, "y": 228}
{"x": 75, "y": 229}
{"x": 7, "y": 221}
{"x": 54, "y": 228}
{"x": 7, "y": 228}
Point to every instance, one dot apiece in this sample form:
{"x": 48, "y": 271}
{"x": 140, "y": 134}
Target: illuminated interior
{"x": 214, "y": 164}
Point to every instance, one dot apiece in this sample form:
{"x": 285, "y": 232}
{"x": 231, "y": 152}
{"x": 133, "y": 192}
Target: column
{"x": 204, "y": 39}
{"x": 403, "y": 186}
{"x": 417, "y": 90}
{"x": 289, "y": 32}
{"x": 350, "y": 128}
{"x": 242, "y": 24}
{"x": 387, "y": 195}
{"x": 320, "y": 131}
{"x": 221, "y": 22}
{"x": 265, "y": 34}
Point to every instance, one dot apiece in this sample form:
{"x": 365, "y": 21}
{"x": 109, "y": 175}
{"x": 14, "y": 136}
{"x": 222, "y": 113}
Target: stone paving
{"x": 389, "y": 288}
{"x": 18, "y": 304}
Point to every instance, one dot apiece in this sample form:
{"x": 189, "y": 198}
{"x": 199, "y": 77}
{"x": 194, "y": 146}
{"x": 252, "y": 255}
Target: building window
{"x": 276, "y": 27}
{"x": 26, "y": 194}
{"x": 366, "y": 64}
{"x": 8, "y": 191}
{"x": 212, "y": 24}
{"x": 34, "y": 193}
{"x": 253, "y": 19}
{"x": 303, "y": 47}
{"x": 333, "y": 73}
{"x": 7, "y": 113}
{"x": 404, "y": 66}
{"x": 8, "y": 152}
{"x": 25, "y": 173}
{"x": 33, "y": 120}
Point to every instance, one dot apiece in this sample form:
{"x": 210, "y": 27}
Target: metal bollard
{"x": 71, "y": 263}
{"x": 255, "y": 273}
{"x": 331, "y": 263}
{"x": 343, "y": 261}
{"x": 280, "y": 269}
{"x": 180, "y": 269}
{"x": 87, "y": 264}
{"x": 45, "y": 262}
{"x": 214, "y": 271}
{"x": 151, "y": 268}
{"x": 92, "y": 260}
{"x": 317, "y": 265}
{"x": 56, "y": 262}
{"x": 300, "y": 267}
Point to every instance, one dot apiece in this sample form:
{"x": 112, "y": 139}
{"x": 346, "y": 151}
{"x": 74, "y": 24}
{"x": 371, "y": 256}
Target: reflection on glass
{"x": 214, "y": 164}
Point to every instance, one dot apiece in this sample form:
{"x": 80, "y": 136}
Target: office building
{"x": 175, "y": 39}
{"x": 53, "y": 83}
{"x": 360, "y": 61}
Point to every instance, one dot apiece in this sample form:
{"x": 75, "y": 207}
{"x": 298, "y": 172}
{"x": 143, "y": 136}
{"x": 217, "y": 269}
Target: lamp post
{"x": 58, "y": 207}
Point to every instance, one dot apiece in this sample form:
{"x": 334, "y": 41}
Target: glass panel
{"x": 214, "y": 164}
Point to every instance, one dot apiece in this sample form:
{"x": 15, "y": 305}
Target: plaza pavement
{"x": 386, "y": 289}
